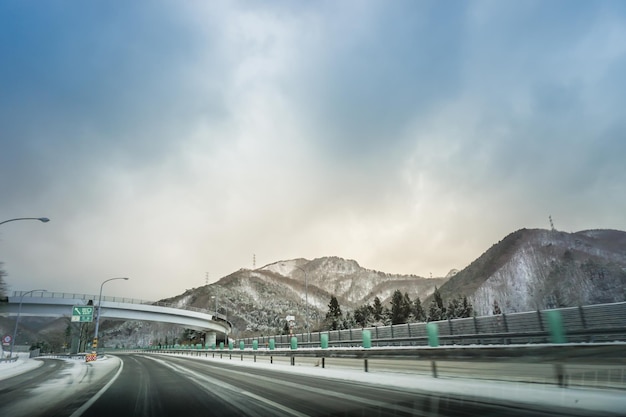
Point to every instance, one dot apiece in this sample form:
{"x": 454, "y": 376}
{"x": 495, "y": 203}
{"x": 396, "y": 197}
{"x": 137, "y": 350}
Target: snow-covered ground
{"x": 23, "y": 364}
{"x": 73, "y": 378}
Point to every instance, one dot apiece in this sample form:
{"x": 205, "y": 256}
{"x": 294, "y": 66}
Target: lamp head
{"x": 44, "y": 219}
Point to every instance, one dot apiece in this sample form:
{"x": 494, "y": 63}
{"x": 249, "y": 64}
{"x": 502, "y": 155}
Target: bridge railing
{"x": 94, "y": 299}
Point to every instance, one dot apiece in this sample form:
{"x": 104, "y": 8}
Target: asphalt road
{"x": 163, "y": 385}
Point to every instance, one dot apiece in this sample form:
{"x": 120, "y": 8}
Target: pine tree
{"x": 363, "y": 314}
{"x": 434, "y": 312}
{"x": 334, "y": 315}
{"x": 377, "y": 309}
{"x": 406, "y": 307}
{"x": 454, "y": 308}
{"x": 467, "y": 309}
{"x": 396, "y": 308}
{"x": 418, "y": 310}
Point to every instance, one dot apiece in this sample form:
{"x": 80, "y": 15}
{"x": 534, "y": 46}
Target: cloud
{"x": 165, "y": 142}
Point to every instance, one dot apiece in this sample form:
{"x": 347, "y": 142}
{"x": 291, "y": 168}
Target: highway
{"x": 167, "y": 385}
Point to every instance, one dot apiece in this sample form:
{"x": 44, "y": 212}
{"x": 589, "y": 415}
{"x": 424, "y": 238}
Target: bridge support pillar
{"x": 211, "y": 339}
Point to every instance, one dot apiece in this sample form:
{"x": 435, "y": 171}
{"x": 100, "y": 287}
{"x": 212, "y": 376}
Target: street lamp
{"x": 306, "y": 301}
{"x": 95, "y": 337}
{"x": 41, "y": 219}
{"x": 215, "y": 296}
{"x": 19, "y": 310}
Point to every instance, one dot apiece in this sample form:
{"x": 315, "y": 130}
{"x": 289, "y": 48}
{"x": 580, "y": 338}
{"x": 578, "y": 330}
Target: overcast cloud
{"x": 169, "y": 139}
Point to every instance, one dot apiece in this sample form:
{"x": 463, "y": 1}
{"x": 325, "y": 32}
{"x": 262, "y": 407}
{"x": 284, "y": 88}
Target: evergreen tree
{"x": 467, "y": 309}
{"x": 349, "y": 322}
{"x": 406, "y": 307}
{"x": 363, "y": 315}
{"x": 454, "y": 308}
{"x": 418, "y": 310}
{"x": 377, "y": 309}
{"x": 334, "y": 315}
{"x": 396, "y": 307}
{"x": 400, "y": 307}
{"x": 434, "y": 312}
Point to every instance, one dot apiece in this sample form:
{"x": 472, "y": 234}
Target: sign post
{"x": 82, "y": 314}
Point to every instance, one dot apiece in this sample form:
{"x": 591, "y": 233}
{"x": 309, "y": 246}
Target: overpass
{"x": 55, "y": 304}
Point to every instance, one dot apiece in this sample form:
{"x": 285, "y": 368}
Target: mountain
{"x": 537, "y": 269}
{"x": 529, "y": 269}
{"x": 258, "y": 300}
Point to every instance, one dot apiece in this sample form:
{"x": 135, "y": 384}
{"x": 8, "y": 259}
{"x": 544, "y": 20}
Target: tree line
{"x": 401, "y": 310}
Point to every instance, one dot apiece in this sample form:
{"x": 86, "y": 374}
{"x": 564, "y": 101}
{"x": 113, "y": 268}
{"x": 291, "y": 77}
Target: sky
{"x": 170, "y": 139}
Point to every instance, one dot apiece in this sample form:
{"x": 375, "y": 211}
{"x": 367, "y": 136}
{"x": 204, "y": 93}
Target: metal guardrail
{"x": 590, "y": 324}
{"x": 601, "y": 365}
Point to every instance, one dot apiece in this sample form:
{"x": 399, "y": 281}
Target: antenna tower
{"x": 206, "y": 279}
{"x": 253, "y": 261}
{"x": 551, "y": 224}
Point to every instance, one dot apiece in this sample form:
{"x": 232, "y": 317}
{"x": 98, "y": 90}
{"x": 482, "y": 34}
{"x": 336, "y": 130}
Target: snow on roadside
{"x": 21, "y": 365}
{"x": 77, "y": 376}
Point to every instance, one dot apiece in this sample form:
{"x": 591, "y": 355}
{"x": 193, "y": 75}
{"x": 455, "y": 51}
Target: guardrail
{"x": 599, "y": 365}
{"x": 592, "y": 324}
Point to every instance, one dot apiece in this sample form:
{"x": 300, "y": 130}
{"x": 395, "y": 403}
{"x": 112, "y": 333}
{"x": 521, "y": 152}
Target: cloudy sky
{"x": 169, "y": 139}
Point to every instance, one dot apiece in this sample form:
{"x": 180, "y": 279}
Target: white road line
{"x": 93, "y": 399}
{"x": 325, "y": 392}
{"x": 189, "y": 373}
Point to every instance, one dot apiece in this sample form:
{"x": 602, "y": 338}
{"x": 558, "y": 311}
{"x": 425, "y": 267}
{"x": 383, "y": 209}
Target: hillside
{"x": 535, "y": 269}
{"x": 259, "y": 300}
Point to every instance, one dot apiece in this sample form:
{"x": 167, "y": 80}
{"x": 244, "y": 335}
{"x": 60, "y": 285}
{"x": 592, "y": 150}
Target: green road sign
{"x": 82, "y": 313}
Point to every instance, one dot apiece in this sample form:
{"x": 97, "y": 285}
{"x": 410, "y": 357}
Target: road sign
{"x": 82, "y": 313}
{"x": 6, "y": 340}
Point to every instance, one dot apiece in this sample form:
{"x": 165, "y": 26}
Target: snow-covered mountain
{"x": 529, "y": 269}
{"x": 259, "y": 300}
{"x": 536, "y": 269}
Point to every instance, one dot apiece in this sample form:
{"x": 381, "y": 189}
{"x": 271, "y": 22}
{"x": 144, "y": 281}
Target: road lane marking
{"x": 95, "y": 398}
{"x": 188, "y": 373}
{"x": 349, "y": 397}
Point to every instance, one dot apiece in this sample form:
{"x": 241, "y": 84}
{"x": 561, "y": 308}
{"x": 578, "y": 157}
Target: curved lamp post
{"x": 41, "y": 219}
{"x": 17, "y": 319}
{"x": 306, "y": 301}
{"x": 95, "y": 337}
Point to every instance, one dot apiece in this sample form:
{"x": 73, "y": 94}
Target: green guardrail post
{"x": 231, "y": 345}
{"x": 272, "y": 344}
{"x": 242, "y": 345}
{"x": 294, "y": 343}
{"x": 324, "y": 340}
{"x": 555, "y": 324}
{"x": 221, "y": 345}
{"x": 433, "y": 334}
{"x": 255, "y": 345}
{"x": 367, "y": 339}
{"x": 213, "y": 346}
